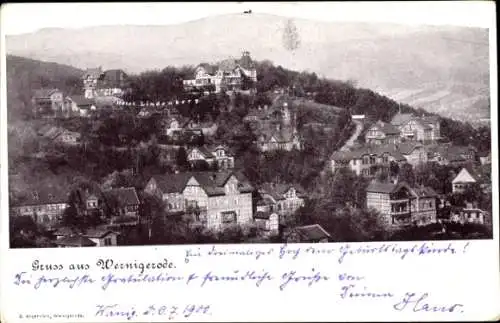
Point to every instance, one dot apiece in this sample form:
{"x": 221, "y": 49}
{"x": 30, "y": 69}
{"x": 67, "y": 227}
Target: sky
{"x": 28, "y": 17}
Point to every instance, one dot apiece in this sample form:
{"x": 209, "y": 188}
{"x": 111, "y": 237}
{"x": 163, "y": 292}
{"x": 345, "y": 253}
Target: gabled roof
{"x": 75, "y": 241}
{"x": 471, "y": 175}
{"x": 208, "y": 151}
{"x": 430, "y": 119}
{"x": 386, "y": 128}
{"x": 424, "y": 192}
{"x": 54, "y": 132}
{"x": 401, "y": 118}
{"x": 125, "y": 196}
{"x": 282, "y": 135}
{"x": 204, "y": 151}
{"x": 377, "y": 150}
{"x": 266, "y": 201}
{"x": 44, "y": 93}
{"x": 43, "y": 196}
{"x": 277, "y": 191}
{"x": 452, "y": 153}
{"x": 246, "y": 62}
{"x": 98, "y": 233}
{"x": 312, "y": 232}
{"x": 211, "y": 182}
{"x": 407, "y": 148}
{"x": 262, "y": 215}
{"x": 209, "y": 69}
{"x": 228, "y": 65}
{"x": 424, "y": 124}
{"x": 93, "y": 73}
{"x": 112, "y": 79}
{"x": 388, "y": 188}
{"x": 64, "y": 231}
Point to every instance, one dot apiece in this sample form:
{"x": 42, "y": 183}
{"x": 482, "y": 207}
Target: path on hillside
{"x": 350, "y": 142}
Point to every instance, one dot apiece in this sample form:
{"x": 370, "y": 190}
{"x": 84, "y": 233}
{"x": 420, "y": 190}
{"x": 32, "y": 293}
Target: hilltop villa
{"x": 228, "y": 75}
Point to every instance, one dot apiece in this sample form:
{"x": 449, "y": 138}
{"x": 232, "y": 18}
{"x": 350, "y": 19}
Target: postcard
{"x": 283, "y": 161}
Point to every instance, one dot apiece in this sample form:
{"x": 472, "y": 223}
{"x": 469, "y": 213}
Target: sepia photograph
{"x": 244, "y": 126}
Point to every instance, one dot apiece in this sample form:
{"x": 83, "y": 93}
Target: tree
{"x": 406, "y": 174}
{"x": 181, "y": 159}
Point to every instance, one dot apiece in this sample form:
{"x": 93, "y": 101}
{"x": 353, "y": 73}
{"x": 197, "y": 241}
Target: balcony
{"x": 401, "y": 213}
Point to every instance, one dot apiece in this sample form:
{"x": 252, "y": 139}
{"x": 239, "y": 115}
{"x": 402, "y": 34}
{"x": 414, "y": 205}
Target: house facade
{"x": 365, "y": 161}
{"x": 111, "y": 83}
{"x": 47, "y": 103}
{"x": 67, "y": 137}
{"x": 99, "y": 83}
{"x": 173, "y": 125}
{"x": 414, "y": 152}
{"x": 44, "y": 206}
{"x": 401, "y": 205}
{"x": 451, "y": 154}
{"x": 124, "y": 204}
{"x": 216, "y": 199}
{"x": 79, "y": 105}
{"x": 284, "y": 199}
{"x": 216, "y": 155}
{"x": 465, "y": 179}
{"x": 90, "y": 79}
{"x": 102, "y": 237}
{"x": 266, "y": 220}
{"x": 470, "y": 214}
{"x": 277, "y": 130}
{"x": 382, "y": 133}
{"x": 423, "y": 129}
{"x": 313, "y": 233}
{"x": 228, "y": 75}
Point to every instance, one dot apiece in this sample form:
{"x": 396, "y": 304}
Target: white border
{"x": 479, "y": 269}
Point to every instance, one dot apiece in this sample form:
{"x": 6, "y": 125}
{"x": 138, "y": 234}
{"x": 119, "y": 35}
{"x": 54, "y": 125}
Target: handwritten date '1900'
{"x": 170, "y": 312}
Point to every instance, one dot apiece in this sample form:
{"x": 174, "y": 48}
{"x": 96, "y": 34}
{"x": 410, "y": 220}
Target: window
{"x": 228, "y": 217}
